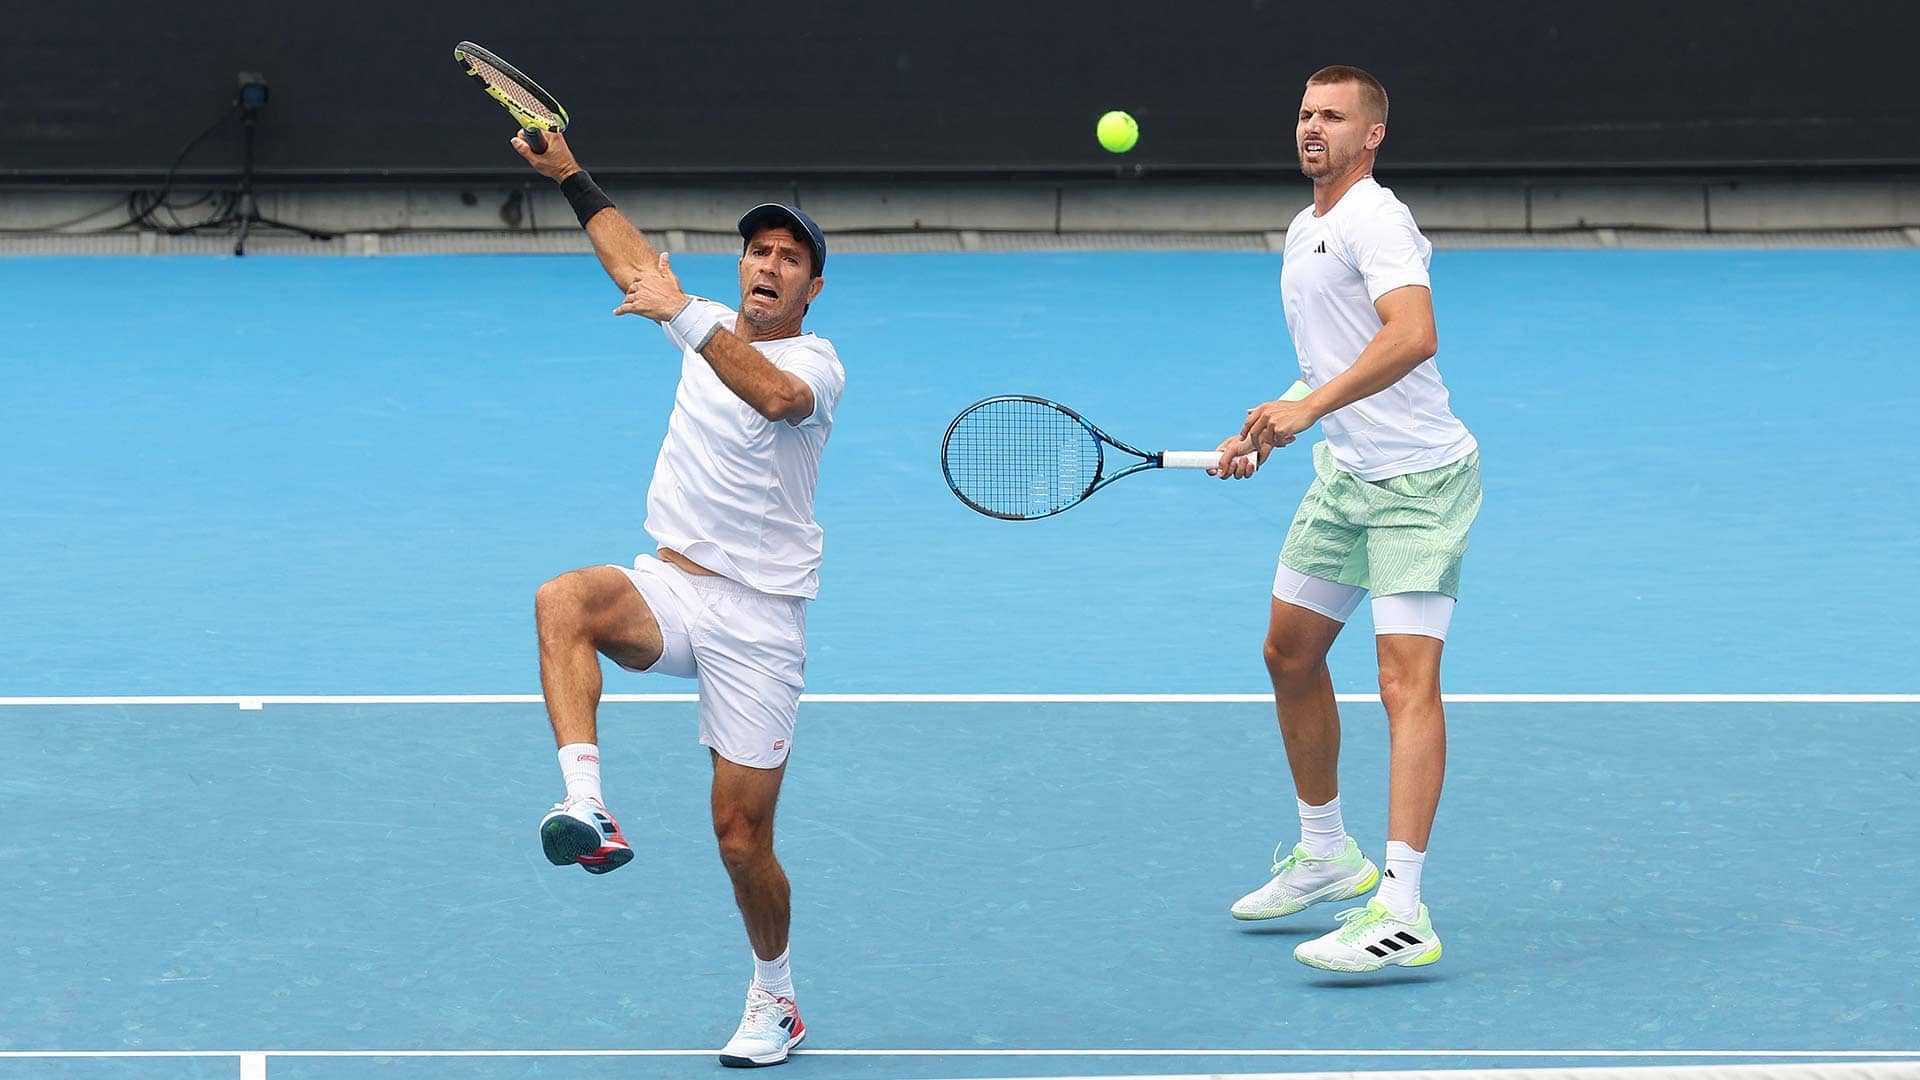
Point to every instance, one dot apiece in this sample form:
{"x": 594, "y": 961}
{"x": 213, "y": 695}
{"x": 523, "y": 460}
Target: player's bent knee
{"x": 559, "y": 607}
{"x": 573, "y": 599}
{"x": 600, "y": 604}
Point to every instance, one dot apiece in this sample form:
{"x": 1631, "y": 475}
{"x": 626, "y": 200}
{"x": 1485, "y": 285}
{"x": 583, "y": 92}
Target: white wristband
{"x": 696, "y": 324}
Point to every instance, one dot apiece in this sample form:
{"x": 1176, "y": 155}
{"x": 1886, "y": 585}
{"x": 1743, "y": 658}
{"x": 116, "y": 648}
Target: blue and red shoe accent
{"x": 745, "y": 1055}
{"x": 580, "y": 831}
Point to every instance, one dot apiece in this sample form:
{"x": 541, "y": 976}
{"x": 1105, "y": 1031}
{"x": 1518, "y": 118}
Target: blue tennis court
{"x": 271, "y": 754}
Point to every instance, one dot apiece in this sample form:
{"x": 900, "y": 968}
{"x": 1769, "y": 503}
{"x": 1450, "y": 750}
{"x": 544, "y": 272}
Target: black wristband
{"x": 584, "y": 196}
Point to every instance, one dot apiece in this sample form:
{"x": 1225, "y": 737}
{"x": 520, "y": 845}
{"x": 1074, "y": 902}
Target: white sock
{"x": 1400, "y": 884}
{"x": 774, "y": 976}
{"x": 1322, "y": 830}
{"x": 580, "y": 764}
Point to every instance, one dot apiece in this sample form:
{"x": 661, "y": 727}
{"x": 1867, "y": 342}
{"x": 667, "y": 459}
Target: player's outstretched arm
{"x": 623, "y": 250}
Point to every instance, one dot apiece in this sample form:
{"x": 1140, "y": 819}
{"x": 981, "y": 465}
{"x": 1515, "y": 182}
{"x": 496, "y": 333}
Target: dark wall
{"x": 112, "y": 88}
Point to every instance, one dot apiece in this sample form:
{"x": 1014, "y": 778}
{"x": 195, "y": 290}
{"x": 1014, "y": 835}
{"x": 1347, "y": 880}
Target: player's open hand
{"x": 656, "y": 294}
{"x": 1239, "y": 458}
{"x": 556, "y": 164}
{"x": 1276, "y": 423}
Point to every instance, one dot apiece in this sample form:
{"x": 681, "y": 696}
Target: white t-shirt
{"x": 1335, "y": 267}
{"x": 732, "y": 490}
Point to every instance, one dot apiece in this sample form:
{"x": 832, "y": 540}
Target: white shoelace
{"x": 763, "y": 1014}
{"x": 1280, "y": 864}
{"x": 1355, "y": 923}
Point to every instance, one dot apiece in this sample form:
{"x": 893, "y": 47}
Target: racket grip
{"x": 1195, "y": 459}
{"x": 536, "y": 142}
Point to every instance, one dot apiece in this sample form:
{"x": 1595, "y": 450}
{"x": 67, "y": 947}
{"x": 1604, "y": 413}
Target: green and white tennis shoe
{"x": 1300, "y": 881}
{"x": 1370, "y": 938}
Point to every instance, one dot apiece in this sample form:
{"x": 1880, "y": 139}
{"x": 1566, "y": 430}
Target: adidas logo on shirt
{"x": 1322, "y": 249}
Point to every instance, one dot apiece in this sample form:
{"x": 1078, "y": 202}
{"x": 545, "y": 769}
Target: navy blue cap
{"x": 791, "y": 218}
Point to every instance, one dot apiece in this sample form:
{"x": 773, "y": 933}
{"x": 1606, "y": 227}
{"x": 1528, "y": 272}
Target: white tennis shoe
{"x": 1370, "y": 938}
{"x": 580, "y": 830}
{"x": 770, "y": 1028}
{"x": 1301, "y": 880}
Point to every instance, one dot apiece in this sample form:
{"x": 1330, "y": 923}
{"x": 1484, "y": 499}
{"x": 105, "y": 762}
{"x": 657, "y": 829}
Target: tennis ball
{"x": 1117, "y": 132}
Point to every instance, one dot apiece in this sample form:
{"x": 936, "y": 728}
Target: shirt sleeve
{"x": 1389, "y": 252}
{"x": 711, "y": 309}
{"x": 818, "y": 365}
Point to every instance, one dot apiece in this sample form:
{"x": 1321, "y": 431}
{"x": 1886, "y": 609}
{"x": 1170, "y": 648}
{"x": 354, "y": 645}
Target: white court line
{"x": 1848, "y": 1055}
{"x": 1821, "y": 1070}
{"x": 253, "y": 702}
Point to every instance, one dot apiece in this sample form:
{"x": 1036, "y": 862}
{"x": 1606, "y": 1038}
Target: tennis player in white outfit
{"x": 723, "y": 599}
{"x": 1396, "y": 490}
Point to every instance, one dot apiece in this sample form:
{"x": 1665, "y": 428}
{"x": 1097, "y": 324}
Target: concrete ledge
{"x": 28, "y": 209}
{"x": 573, "y": 242}
{"x": 1143, "y": 213}
{"x": 1592, "y": 206}
{"x": 1837, "y": 204}
{"x": 1464, "y": 206}
{"x": 1032, "y": 207}
{"x": 1132, "y": 206}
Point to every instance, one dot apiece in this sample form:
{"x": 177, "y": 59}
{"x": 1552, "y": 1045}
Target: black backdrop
{"x": 113, "y": 89}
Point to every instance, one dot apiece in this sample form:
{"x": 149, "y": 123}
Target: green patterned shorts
{"x": 1402, "y": 534}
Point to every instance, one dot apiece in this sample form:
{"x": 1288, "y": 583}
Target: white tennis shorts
{"x": 747, "y": 649}
{"x": 1429, "y": 614}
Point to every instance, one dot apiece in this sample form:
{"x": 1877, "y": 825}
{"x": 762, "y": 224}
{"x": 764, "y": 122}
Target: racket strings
{"x": 514, "y": 92}
{"x": 1021, "y": 458}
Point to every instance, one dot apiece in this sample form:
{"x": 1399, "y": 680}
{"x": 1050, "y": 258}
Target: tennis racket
{"x": 1019, "y": 458}
{"x": 536, "y": 110}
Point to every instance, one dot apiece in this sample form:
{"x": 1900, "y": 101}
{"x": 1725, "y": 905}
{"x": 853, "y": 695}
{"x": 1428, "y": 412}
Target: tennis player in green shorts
{"x": 1396, "y": 487}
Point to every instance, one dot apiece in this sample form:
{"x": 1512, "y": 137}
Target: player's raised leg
{"x": 580, "y": 615}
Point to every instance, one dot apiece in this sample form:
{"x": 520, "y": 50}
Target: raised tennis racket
{"x": 1019, "y": 458}
{"x": 536, "y": 110}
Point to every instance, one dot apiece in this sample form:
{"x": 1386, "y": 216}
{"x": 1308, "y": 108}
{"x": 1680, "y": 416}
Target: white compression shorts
{"x": 1428, "y": 614}
{"x": 748, "y": 649}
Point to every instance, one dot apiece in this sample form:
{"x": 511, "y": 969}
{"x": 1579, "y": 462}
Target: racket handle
{"x": 536, "y": 142}
{"x": 1195, "y": 459}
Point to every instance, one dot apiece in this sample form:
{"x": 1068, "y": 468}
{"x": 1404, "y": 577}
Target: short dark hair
{"x": 1371, "y": 92}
